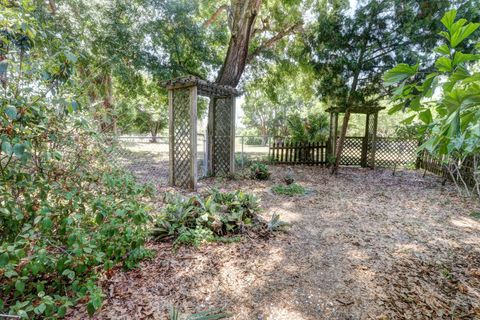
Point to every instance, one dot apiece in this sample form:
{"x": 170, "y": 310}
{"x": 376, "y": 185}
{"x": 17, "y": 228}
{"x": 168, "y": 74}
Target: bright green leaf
{"x": 460, "y": 57}
{"x": 399, "y": 73}
{"x": 443, "y": 49}
{"x": 463, "y": 33}
{"x": 396, "y": 108}
{"x": 426, "y": 116}
{"x": 444, "y": 64}
{"x": 408, "y": 120}
{"x": 449, "y": 18}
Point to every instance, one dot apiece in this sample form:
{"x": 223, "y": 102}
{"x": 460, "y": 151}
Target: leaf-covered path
{"x": 362, "y": 245}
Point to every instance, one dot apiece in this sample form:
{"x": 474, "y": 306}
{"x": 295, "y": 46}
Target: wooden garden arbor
{"x": 370, "y": 137}
{"x": 182, "y": 97}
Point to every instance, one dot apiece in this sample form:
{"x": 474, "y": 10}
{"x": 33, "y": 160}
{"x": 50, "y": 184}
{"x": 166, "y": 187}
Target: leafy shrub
{"x": 312, "y": 128}
{"x": 448, "y": 121}
{"x": 253, "y": 140}
{"x": 288, "y": 190}
{"x": 259, "y": 171}
{"x": 199, "y": 219}
{"x": 65, "y": 214}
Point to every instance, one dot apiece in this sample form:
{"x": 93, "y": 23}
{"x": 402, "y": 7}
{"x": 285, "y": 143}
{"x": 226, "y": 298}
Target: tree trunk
{"x": 109, "y": 124}
{"x": 154, "y": 131}
{"x": 244, "y": 14}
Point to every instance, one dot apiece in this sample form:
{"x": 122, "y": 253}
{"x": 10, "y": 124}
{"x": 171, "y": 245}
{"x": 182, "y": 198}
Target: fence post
{"x": 243, "y": 163}
{"x": 419, "y": 156}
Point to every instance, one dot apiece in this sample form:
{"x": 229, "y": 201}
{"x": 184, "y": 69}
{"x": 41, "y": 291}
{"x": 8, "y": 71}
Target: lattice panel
{"x": 370, "y": 141}
{"x": 352, "y": 151}
{"x": 182, "y": 134}
{"x": 222, "y": 135}
{"x": 395, "y": 152}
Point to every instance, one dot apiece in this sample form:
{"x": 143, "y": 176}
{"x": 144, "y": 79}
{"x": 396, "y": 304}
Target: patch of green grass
{"x": 289, "y": 190}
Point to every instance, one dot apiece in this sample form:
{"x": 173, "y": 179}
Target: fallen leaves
{"x": 364, "y": 245}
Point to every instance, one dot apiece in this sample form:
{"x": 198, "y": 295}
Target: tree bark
{"x": 244, "y": 14}
{"x": 110, "y": 125}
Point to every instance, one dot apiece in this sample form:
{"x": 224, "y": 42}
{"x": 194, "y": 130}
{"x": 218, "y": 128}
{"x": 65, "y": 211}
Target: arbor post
{"x": 373, "y": 135}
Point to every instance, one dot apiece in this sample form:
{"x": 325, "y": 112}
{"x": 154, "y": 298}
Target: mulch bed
{"x": 362, "y": 245}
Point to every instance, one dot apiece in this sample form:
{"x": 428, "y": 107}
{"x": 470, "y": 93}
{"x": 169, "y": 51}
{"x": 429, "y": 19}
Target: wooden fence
{"x": 440, "y": 167}
{"x": 299, "y": 153}
{"x": 390, "y": 152}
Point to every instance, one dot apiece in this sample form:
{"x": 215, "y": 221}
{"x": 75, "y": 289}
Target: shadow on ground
{"x": 363, "y": 245}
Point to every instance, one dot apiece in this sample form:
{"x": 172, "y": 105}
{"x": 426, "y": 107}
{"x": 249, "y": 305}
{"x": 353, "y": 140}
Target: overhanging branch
{"x": 270, "y": 42}
{"x": 215, "y": 15}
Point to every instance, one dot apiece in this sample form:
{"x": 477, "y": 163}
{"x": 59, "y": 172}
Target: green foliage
{"x": 289, "y": 190}
{"x": 349, "y": 52}
{"x": 197, "y": 220}
{"x": 259, "y": 171}
{"x": 65, "y": 214}
{"x": 312, "y": 128}
{"x": 446, "y": 101}
{"x": 450, "y": 117}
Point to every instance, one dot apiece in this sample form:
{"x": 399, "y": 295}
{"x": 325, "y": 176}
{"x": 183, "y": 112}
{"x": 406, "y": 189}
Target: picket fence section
{"x": 299, "y": 153}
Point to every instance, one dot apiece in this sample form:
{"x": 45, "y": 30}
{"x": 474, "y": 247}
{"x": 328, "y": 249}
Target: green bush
{"x": 288, "y": 190}
{"x": 209, "y": 218}
{"x": 259, "y": 171}
{"x": 64, "y": 237}
{"x": 253, "y": 140}
{"x": 65, "y": 213}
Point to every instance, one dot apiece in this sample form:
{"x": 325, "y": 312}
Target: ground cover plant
{"x": 292, "y": 189}
{"x": 259, "y": 171}
{"x": 215, "y": 216}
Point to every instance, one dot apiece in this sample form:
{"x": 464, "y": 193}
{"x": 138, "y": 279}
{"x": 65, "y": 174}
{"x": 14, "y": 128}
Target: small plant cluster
{"x": 213, "y": 217}
{"x": 288, "y": 190}
{"x": 291, "y": 188}
{"x": 259, "y": 171}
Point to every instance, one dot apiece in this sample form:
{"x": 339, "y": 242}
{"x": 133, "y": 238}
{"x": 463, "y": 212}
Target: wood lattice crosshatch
{"x": 183, "y": 129}
{"x": 183, "y": 148}
{"x": 356, "y": 150}
{"x": 222, "y": 136}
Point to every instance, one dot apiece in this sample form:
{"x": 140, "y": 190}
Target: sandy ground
{"x": 362, "y": 245}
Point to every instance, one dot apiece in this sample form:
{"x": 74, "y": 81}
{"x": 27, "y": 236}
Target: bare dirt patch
{"x": 362, "y": 245}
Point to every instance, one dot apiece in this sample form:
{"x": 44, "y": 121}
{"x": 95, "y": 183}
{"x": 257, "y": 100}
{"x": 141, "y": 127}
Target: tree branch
{"x": 215, "y": 15}
{"x": 270, "y": 42}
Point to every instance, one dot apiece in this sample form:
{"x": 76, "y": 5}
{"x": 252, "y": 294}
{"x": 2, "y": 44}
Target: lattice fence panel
{"x": 222, "y": 135}
{"x": 182, "y": 138}
{"x": 352, "y": 151}
{"x": 395, "y": 152}
{"x": 370, "y": 141}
